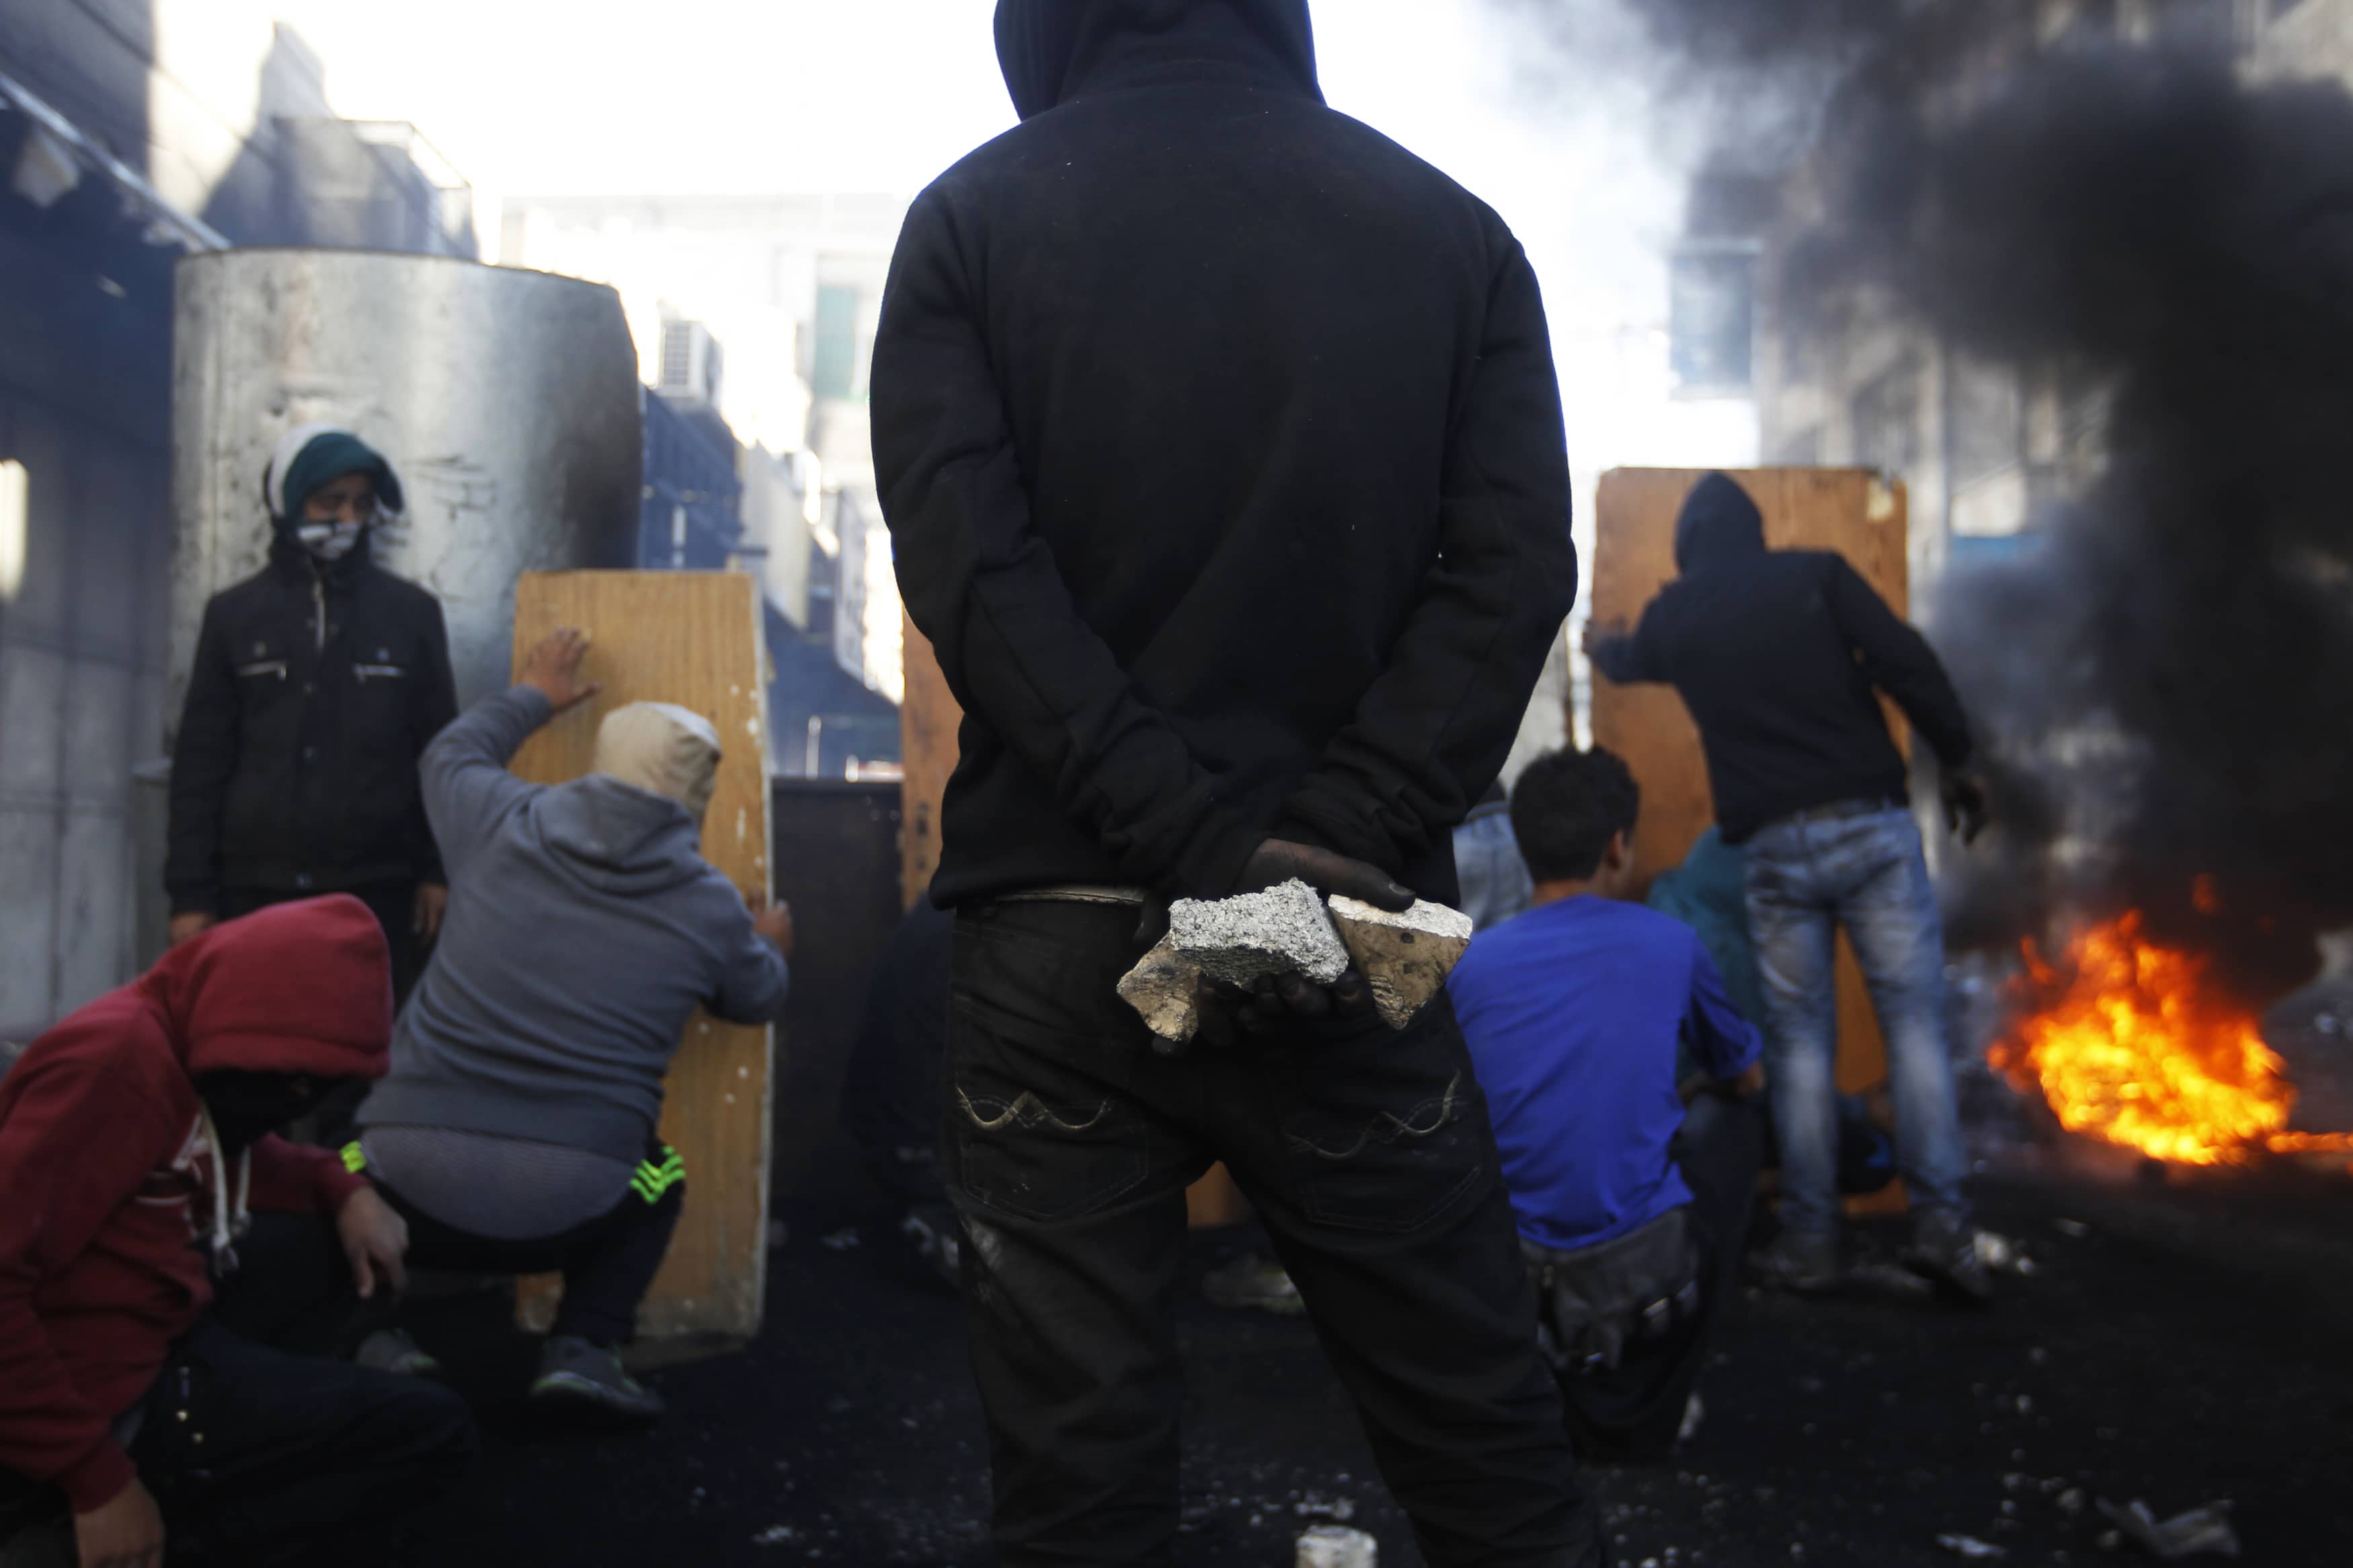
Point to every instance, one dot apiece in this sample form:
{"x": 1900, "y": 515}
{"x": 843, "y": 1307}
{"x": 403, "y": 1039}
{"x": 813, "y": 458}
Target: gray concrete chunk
{"x": 1404, "y": 957}
{"x": 1248, "y": 937}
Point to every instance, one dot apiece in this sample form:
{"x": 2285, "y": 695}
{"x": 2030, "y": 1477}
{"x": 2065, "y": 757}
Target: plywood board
{"x": 1853, "y": 511}
{"x": 692, "y": 638}
{"x": 928, "y": 718}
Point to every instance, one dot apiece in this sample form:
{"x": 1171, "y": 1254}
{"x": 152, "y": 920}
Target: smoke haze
{"x": 2167, "y": 677}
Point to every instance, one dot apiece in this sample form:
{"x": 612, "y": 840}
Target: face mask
{"x": 248, "y": 1105}
{"x": 329, "y": 541}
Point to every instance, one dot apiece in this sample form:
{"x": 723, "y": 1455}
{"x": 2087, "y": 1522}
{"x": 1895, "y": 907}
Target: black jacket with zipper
{"x": 1222, "y": 455}
{"x": 314, "y": 691}
{"x": 1779, "y": 655}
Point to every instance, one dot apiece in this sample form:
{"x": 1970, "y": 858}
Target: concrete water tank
{"x": 507, "y": 399}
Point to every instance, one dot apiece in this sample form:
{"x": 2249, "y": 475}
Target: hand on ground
{"x": 126, "y": 1531}
{"x": 554, "y": 667}
{"x": 191, "y": 922}
{"x": 432, "y": 903}
{"x": 376, "y": 1240}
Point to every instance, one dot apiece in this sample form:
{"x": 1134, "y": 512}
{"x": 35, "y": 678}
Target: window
{"x": 1888, "y": 420}
{"x": 833, "y": 358}
{"x": 1712, "y": 320}
{"x": 16, "y": 518}
{"x": 1988, "y": 419}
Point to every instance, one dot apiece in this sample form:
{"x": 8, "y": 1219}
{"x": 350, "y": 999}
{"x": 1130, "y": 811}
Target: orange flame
{"x": 2129, "y": 1045}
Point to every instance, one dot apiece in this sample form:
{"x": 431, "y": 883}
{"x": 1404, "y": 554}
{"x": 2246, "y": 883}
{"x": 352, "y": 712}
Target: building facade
{"x": 131, "y": 131}
{"x": 791, "y": 286}
{"x": 1983, "y": 445}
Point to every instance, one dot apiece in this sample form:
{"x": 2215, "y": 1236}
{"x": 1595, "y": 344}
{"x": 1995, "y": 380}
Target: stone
{"x": 1336, "y": 1546}
{"x": 1406, "y": 956}
{"x": 1160, "y": 989}
{"x": 1248, "y": 937}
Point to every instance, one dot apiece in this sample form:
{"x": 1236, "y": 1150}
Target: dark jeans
{"x": 1634, "y": 1411}
{"x": 393, "y": 905}
{"x": 1068, "y": 1145}
{"x": 607, "y": 1263}
{"x": 259, "y": 1449}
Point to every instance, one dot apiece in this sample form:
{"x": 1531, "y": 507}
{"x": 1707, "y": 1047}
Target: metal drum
{"x": 507, "y": 399}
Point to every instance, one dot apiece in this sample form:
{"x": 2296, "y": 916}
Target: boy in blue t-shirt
{"x": 1631, "y": 1207}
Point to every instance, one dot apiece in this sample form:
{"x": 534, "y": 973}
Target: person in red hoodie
{"x": 165, "y": 1256}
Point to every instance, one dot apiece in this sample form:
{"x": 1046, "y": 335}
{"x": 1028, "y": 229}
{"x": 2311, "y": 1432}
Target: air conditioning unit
{"x": 689, "y": 360}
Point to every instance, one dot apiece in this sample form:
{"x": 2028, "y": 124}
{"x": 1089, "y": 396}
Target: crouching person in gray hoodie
{"x": 516, "y": 1129}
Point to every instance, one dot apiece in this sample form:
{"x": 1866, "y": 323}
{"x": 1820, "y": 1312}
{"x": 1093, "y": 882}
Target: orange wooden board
{"x": 692, "y": 638}
{"x": 1854, "y": 511}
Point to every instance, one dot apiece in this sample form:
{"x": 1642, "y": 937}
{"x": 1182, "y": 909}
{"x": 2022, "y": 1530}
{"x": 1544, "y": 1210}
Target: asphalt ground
{"x": 2183, "y": 1342}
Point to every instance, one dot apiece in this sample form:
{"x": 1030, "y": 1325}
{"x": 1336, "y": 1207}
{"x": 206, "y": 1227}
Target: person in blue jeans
{"x": 1630, "y": 1179}
{"x": 1781, "y": 656}
{"x": 1487, "y": 866}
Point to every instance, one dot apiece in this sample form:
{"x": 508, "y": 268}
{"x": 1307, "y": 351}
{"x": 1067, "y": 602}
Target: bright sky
{"x": 546, "y": 97}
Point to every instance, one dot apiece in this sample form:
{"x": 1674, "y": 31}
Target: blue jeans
{"x": 1861, "y": 868}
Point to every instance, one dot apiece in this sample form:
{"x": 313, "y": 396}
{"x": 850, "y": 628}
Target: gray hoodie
{"x": 584, "y": 927}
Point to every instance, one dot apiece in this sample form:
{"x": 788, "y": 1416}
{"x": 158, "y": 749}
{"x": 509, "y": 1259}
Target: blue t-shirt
{"x": 1573, "y": 1012}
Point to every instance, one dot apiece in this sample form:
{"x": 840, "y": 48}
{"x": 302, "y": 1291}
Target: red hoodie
{"x": 106, "y": 1173}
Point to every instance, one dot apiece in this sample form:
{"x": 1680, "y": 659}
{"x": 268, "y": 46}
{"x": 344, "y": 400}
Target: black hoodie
{"x": 1777, "y": 653}
{"x": 1222, "y": 456}
{"x": 295, "y": 766}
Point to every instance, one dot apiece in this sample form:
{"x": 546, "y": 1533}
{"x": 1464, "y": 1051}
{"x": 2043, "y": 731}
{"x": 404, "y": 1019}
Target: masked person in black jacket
{"x": 1781, "y": 656}
{"x": 317, "y": 683}
{"x": 1221, "y": 450}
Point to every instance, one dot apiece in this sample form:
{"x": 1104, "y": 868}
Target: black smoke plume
{"x": 2169, "y": 677}
{"x": 2166, "y": 676}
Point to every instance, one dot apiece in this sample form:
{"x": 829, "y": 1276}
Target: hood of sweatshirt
{"x": 1052, "y": 50}
{"x": 296, "y": 988}
{"x": 617, "y": 837}
{"x": 1718, "y": 523}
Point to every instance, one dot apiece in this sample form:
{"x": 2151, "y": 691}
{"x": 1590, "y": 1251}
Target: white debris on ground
{"x": 2200, "y": 1530}
{"x": 1337, "y": 1546}
{"x": 2002, "y": 1254}
{"x": 1253, "y": 936}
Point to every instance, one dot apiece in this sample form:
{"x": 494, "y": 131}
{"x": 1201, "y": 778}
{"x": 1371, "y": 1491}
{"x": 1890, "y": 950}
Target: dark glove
{"x": 1278, "y": 860}
{"x": 1964, "y": 797}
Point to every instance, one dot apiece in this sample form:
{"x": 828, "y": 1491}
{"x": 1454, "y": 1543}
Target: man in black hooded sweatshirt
{"x": 1221, "y": 450}
{"x": 1781, "y": 655}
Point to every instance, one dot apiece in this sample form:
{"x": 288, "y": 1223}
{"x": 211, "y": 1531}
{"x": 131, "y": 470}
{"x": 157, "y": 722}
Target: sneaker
{"x": 1944, "y": 1252}
{"x": 575, "y": 1373}
{"x": 391, "y": 1350}
{"x": 1801, "y": 1260}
